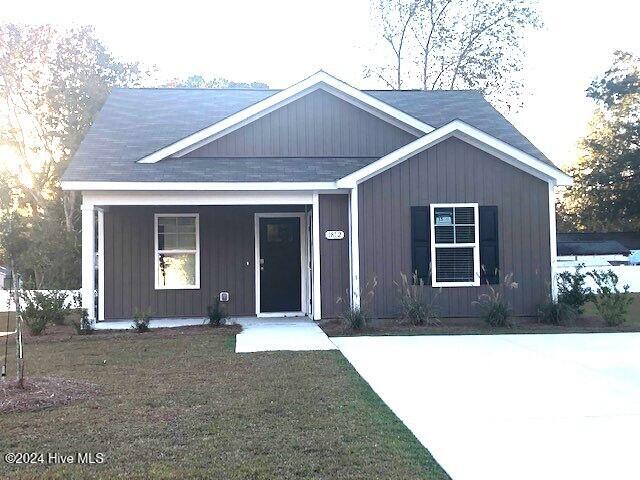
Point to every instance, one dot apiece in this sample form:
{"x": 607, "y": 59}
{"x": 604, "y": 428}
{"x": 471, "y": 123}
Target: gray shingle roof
{"x": 136, "y": 122}
{"x": 601, "y": 247}
{"x": 624, "y": 241}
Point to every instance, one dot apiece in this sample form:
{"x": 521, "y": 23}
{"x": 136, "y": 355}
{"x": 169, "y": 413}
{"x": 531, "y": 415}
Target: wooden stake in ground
{"x": 19, "y": 351}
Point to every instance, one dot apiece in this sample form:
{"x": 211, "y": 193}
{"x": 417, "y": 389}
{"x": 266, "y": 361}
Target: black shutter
{"x": 420, "y": 243}
{"x": 489, "y": 246}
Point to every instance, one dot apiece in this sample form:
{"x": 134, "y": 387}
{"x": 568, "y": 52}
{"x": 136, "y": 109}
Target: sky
{"x": 281, "y": 42}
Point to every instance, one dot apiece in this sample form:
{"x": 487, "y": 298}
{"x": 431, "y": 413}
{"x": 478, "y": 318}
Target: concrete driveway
{"x": 513, "y": 406}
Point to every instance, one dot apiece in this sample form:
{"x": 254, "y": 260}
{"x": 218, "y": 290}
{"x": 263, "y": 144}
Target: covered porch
{"x": 172, "y": 254}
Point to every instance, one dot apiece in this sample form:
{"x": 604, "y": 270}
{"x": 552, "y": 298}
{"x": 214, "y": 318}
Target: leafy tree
{"x": 198, "y": 81}
{"x": 13, "y": 244}
{"x": 52, "y": 83}
{"x": 448, "y": 44}
{"x": 606, "y": 191}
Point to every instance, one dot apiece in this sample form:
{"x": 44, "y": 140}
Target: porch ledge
{"x": 154, "y": 323}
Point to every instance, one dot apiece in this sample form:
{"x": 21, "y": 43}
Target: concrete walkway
{"x": 513, "y": 406}
{"x": 272, "y": 334}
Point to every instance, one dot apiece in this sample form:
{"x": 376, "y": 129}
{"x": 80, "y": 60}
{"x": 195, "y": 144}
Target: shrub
{"x": 36, "y": 322}
{"x": 84, "y": 326}
{"x": 216, "y": 314}
{"x": 494, "y": 308}
{"x": 357, "y": 318}
{"x": 141, "y": 319}
{"x": 611, "y": 303}
{"x": 49, "y": 305}
{"x": 572, "y": 290}
{"x": 414, "y": 308}
{"x": 554, "y": 312}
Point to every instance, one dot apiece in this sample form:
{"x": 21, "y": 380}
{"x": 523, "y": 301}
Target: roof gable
{"x": 319, "y": 80}
{"x": 316, "y": 125}
{"x": 471, "y": 135}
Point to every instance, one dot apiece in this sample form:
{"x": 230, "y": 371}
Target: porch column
{"x": 88, "y": 260}
{"x": 100, "y": 264}
{"x": 354, "y": 251}
{"x": 315, "y": 232}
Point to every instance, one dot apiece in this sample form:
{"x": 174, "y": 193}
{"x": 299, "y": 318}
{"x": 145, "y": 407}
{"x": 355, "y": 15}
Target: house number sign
{"x": 334, "y": 234}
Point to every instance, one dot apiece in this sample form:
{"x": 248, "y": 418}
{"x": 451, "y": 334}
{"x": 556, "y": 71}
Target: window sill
{"x": 455, "y": 284}
{"x": 191, "y": 287}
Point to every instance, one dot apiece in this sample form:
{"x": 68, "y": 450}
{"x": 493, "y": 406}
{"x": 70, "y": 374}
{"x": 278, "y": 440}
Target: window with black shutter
{"x": 455, "y": 245}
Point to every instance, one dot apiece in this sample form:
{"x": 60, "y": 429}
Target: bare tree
{"x": 470, "y": 44}
{"x": 395, "y": 18}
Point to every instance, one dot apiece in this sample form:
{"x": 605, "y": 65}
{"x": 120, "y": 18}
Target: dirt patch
{"x": 43, "y": 392}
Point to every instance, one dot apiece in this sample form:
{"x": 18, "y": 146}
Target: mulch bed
{"x": 43, "y": 392}
{"x": 584, "y": 324}
{"x": 57, "y": 333}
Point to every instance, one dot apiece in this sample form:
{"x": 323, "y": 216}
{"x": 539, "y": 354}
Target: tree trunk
{"x": 69, "y": 205}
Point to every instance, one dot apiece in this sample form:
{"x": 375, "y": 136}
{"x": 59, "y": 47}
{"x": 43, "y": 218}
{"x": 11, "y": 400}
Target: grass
{"x": 181, "y": 404}
{"x": 586, "y": 323}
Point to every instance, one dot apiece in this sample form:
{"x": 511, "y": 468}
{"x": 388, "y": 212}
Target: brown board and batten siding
{"x": 226, "y": 245}
{"x": 317, "y": 125}
{"x": 455, "y": 172}
{"x": 334, "y": 254}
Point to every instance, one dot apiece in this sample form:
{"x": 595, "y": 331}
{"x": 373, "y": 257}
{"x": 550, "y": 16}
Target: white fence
{"x": 6, "y": 300}
{"x": 627, "y": 274}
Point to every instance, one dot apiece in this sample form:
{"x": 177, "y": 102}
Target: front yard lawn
{"x": 182, "y": 404}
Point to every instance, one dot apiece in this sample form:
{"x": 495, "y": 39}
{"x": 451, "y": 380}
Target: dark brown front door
{"x": 280, "y": 271}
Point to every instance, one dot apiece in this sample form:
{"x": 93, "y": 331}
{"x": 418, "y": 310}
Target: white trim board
{"x": 468, "y": 134}
{"x": 316, "y": 262}
{"x": 100, "y": 263}
{"x": 319, "y": 80}
{"x": 171, "y": 198}
{"x": 304, "y": 272}
{"x": 553, "y": 241}
{"x": 197, "y": 186}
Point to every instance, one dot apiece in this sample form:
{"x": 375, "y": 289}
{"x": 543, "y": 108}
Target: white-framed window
{"x": 455, "y": 255}
{"x": 177, "y": 251}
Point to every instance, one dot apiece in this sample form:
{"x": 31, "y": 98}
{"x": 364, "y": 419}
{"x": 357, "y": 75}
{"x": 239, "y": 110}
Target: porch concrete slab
{"x": 513, "y": 406}
{"x": 282, "y": 333}
{"x": 154, "y": 323}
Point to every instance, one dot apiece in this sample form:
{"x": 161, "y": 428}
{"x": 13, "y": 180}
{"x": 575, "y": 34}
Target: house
{"x": 598, "y": 249}
{"x": 618, "y": 252}
{"x": 279, "y": 202}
